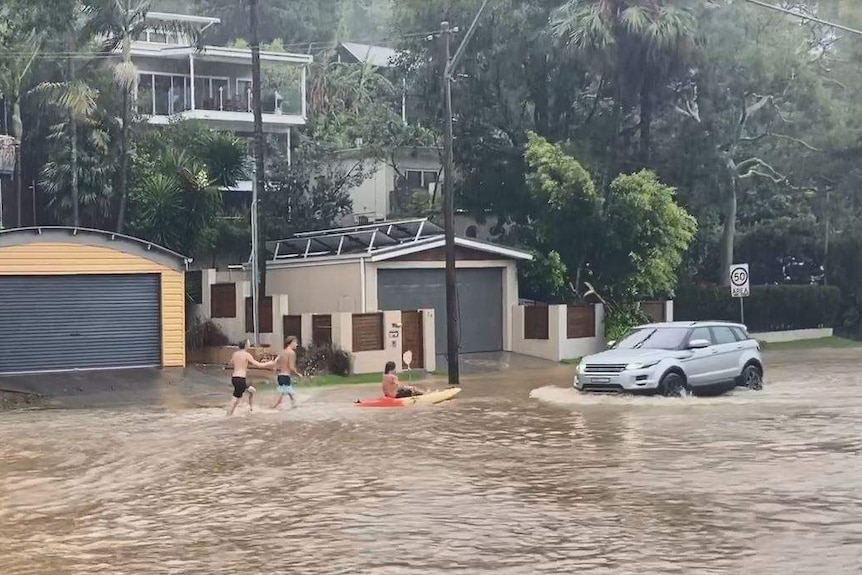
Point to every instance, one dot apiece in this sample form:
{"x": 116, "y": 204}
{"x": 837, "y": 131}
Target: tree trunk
{"x": 73, "y": 136}
{"x": 646, "y": 106}
{"x": 729, "y": 234}
{"x": 18, "y": 133}
{"x": 123, "y": 180}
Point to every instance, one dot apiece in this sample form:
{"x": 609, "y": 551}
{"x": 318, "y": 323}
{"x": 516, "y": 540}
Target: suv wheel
{"x": 673, "y": 385}
{"x": 752, "y": 378}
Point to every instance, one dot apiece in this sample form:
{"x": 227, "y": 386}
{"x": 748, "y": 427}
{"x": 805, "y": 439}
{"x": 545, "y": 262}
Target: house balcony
{"x": 213, "y": 85}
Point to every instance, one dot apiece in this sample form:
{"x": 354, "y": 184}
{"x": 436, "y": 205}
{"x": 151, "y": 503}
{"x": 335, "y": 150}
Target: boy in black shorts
{"x": 240, "y": 361}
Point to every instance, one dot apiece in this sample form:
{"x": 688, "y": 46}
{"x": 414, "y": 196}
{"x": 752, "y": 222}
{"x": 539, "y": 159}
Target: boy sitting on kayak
{"x": 394, "y": 388}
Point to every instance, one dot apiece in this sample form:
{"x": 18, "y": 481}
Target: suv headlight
{"x": 581, "y": 367}
{"x": 640, "y": 365}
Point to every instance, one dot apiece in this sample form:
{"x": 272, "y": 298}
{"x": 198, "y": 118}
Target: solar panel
{"x": 355, "y": 239}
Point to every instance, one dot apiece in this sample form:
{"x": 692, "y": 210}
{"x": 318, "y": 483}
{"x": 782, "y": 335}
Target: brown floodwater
{"x": 519, "y": 475}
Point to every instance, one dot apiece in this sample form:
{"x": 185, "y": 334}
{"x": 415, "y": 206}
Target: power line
{"x": 804, "y": 16}
{"x": 317, "y": 44}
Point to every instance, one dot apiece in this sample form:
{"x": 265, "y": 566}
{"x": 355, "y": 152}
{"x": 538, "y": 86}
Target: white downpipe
{"x": 192, "y": 82}
{"x": 255, "y": 264}
{"x": 304, "y": 92}
{"x": 363, "y": 289}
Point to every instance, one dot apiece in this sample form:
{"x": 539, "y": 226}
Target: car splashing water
{"x": 496, "y": 482}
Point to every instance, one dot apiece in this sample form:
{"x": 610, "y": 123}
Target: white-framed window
{"x": 416, "y": 179}
{"x": 163, "y": 94}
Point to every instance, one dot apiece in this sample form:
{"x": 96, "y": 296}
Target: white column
{"x": 304, "y": 103}
{"x": 192, "y": 73}
{"x": 289, "y": 152}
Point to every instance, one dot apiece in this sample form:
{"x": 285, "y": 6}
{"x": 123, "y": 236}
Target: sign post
{"x": 740, "y": 286}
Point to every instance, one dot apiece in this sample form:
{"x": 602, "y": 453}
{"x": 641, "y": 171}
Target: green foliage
{"x": 546, "y": 279}
{"x": 311, "y": 193}
{"x": 770, "y": 308}
{"x": 621, "y": 318}
{"x": 323, "y": 359}
{"x": 175, "y": 195}
{"x": 204, "y": 333}
{"x": 647, "y": 235}
{"x": 628, "y": 245}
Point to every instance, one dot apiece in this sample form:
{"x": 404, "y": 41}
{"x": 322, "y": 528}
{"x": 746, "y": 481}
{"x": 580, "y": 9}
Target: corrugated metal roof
{"x": 380, "y": 241}
{"x": 379, "y": 56}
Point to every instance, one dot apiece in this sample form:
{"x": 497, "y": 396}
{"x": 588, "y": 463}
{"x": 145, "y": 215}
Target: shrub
{"x": 620, "y": 319}
{"x": 320, "y": 359}
{"x": 770, "y": 308}
{"x": 205, "y": 334}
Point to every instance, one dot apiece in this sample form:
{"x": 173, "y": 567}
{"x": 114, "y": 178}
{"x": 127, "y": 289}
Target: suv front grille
{"x": 605, "y": 368}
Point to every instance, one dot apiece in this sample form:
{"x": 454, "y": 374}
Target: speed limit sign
{"x": 740, "y": 281}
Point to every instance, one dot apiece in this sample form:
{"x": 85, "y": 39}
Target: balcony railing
{"x": 167, "y": 95}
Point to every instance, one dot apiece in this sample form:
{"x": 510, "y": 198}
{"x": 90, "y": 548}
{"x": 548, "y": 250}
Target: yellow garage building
{"x": 81, "y": 299}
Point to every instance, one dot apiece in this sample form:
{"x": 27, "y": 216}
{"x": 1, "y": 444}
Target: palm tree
{"x": 642, "y": 42}
{"x": 77, "y": 100}
{"x": 18, "y": 56}
{"x": 119, "y": 22}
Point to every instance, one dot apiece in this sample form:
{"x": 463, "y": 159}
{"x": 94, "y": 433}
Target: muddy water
{"x": 520, "y": 475}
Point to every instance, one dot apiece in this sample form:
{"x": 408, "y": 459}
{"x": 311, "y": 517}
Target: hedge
{"x": 770, "y": 308}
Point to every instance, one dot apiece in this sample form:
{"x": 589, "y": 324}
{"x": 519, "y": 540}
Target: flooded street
{"x": 520, "y": 474}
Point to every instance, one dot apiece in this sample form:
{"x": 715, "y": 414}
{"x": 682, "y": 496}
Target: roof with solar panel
{"x": 377, "y": 242}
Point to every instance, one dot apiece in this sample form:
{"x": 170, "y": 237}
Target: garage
{"x": 480, "y": 303}
{"x": 77, "y": 299}
{"x": 400, "y": 266}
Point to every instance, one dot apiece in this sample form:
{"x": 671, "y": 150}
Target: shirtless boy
{"x": 392, "y": 387}
{"x": 286, "y": 366}
{"x": 240, "y": 361}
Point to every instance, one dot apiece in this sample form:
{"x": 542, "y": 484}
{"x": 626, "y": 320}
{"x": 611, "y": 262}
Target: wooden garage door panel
{"x": 52, "y": 323}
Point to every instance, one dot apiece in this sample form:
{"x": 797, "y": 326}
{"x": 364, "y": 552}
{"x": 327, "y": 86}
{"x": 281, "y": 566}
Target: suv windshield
{"x": 654, "y": 338}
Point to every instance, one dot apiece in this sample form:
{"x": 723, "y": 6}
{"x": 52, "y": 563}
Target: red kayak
{"x": 426, "y": 399}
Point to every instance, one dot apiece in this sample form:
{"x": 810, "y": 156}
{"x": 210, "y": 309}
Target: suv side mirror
{"x": 612, "y": 343}
{"x": 699, "y": 344}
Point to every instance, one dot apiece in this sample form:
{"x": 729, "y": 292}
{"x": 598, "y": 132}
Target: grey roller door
{"x": 480, "y": 303}
{"x": 50, "y": 323}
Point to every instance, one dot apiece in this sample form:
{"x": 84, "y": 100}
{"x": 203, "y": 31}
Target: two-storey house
{"x": 213, "y": 83}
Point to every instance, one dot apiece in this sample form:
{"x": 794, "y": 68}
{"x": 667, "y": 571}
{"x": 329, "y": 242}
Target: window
{"x": 194, "y": 287}
{"x": 723, "y": 335}
{"x": 701, "y": 333}
{"x": 367, "y": 331}
{"x": 264, "y": 315}
{"x": 536, "y": 322}
{"x": 655, "y": 338}
{"x": 243, "y": 94}
{"x": 157, "y": 37}
{"x": 293, "y": 327}
{"x": 416, "y": 179}
{"x": 321, "y": 329}
{"x": 740, "y": 333}
{"x": 223, "y": 300}
{"x": 145, "y": 94}
{"x": 471, "y": 232}
{"x": 163, "y": 94}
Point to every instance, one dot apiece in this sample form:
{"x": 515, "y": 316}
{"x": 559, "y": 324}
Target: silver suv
{"x": 675, "y": 358}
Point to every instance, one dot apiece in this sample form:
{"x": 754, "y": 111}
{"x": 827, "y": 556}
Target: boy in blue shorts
{"x": 286, "y": 366}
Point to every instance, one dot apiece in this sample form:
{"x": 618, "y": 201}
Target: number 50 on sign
{"x": 740, "y": 281}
